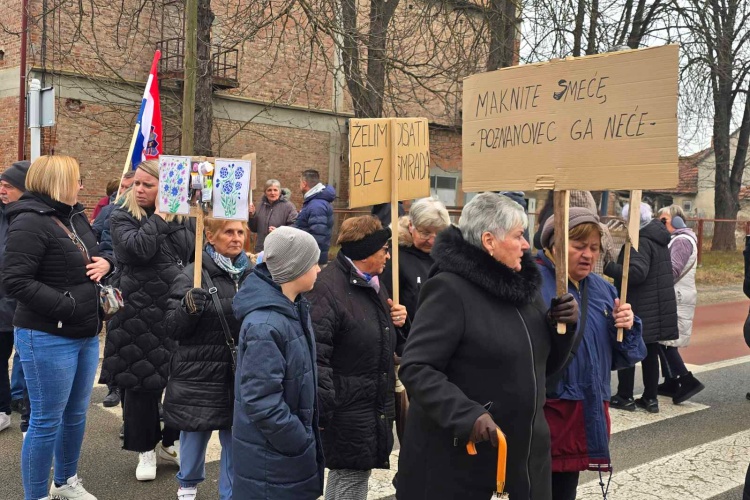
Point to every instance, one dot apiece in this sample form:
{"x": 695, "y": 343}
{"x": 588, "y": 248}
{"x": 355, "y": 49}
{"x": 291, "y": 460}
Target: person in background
{"x": 477, "y": 356}
{"x": 112, "y": 187}
{"x": 274, "y": 211}
{"x": 383, "y": 212}
{"x": 12, "y": 186}
{"x": 101, "y": 221}
{"x": 152, "y": 249}
{"x": 680, "y": 384}
{"x": 355, "y": 329}
{"x": 276, "y": 437}
{"x": 316, "y": 216}
{"x": 577, "y": 406}
{"x": 51, "y": 267}
{"x": 651, "y": 293}
{"x": 199, "y": 396}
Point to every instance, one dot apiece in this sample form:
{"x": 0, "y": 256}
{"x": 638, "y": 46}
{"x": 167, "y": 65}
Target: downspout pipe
{"x": 22, "y": 84}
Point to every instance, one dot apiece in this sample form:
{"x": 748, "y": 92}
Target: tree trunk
{"x": 501, "y": 20}
{"x": 578, "y": 29}
{"x": 591, "y": 47}
{"x": 204, "y": 85}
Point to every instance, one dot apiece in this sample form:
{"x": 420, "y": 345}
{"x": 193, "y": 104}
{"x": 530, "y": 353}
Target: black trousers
{"x": 564, "y": 485}
{"x": 650, "y": 366}
{"x": 672, "y": 365}
{"x": 142, "y": 426}
{"x": 6, "y": 349}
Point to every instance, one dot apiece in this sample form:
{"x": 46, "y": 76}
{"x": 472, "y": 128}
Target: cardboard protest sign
{"x": 231, "y": 189}
{"x": 371, "y": 158}
{"x": 174, "y": 184}
{"x": 607, "y": 121}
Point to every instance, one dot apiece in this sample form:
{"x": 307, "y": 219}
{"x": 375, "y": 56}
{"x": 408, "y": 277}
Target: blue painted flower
{"x": 239, "y": 173}
{"x": 171, "y": 173}
{"x": 237, "y": 186}
{"x": 179, "y": 181}
{"x": 227, "y": 189}
{"x": 224, "y": 172}
{"x": 175, "y": 191}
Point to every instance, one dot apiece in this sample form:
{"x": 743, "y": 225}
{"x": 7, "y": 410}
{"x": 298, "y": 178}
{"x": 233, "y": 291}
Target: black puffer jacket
{"x": 650, "y": 283}
{"x": 46, "y": 272}
{"x": 355, "y": 340}
{"x": 150, "y": 253}
{"x": 480, "y": 343}
{"x": 7, "y": 303}
{"x": 200, "y": 391}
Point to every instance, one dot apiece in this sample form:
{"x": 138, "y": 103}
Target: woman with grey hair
{"x": 476, "y": 361}
{"x": 274, "y": 211}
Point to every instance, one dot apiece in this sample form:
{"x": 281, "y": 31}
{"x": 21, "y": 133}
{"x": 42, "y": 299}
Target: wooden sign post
{"x": 389, "y": 161}
{"x": 562, "y": 208}
{"x": 606, "y": 121}
{"x": 634, "y": 231}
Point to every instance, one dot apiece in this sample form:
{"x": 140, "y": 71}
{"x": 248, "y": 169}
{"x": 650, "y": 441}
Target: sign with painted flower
{"x": 231, "y": 189}
{"x": 174, "y": 184}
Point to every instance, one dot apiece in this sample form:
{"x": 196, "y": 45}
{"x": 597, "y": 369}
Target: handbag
{"x": 214, "y": 293}
{"x": 110, "y": 298}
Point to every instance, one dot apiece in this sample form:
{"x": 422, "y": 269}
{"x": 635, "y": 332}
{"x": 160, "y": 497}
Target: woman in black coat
{"x": 51, "y": 266}
{"x": 355, "y": 330}
{"x": 274, "y": 211}
{"x": 151, "y": 249}
{"x": 651, "y": 293}
{"x": 200, "y": 391}
{"x": 477, "y": 358}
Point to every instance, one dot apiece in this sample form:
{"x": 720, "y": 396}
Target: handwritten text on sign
{"x": 599, "y": 122}
{"x": 370, "y": 159}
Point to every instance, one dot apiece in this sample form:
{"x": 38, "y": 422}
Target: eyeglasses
{"x": 386, "y": 249}
{"x": 80, "y": 182}
{"x": 663, "y": 221}
{"x": 426, "y": 235}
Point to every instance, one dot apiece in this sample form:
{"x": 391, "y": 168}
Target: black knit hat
{"x": 15, "y": 175}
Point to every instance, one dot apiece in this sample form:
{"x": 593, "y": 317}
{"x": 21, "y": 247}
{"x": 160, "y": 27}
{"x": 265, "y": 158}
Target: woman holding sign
{"x": 151, "y": 249}
{"x": 577, "y": 407}
{"x": 476, "y": 360}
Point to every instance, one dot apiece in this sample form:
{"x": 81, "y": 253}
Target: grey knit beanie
{"x": 15, "y": 175}
{"x": 289, "y": 253}
{"x": 577, "y": 216}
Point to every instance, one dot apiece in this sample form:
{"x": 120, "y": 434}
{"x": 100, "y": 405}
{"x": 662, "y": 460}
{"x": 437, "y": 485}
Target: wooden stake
{"x": 197, "y": 212}
{"x": 562, "y": 214}
{"x": 634, "y": 230}
{"x": 190, "y": 75}
{"x": 394, "y": 212}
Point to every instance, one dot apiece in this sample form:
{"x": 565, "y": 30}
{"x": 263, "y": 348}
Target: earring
{"x": 492, "y": 254}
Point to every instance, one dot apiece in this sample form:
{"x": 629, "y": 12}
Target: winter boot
{"x": 669, "y": 388}
{"x": 689, "y": 387}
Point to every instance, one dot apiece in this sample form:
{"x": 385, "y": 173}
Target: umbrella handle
{"x": 502, "y": 455}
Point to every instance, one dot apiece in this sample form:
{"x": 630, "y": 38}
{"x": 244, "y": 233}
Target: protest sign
{"x": 174, "y": 184}
{"x": 607, "y": 121}
{"x": 231, "y": 189}
{"x": 372, "y": 158}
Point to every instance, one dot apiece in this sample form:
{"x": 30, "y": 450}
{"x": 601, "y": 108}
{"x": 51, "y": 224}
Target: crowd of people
{"x": 301, "y": 365}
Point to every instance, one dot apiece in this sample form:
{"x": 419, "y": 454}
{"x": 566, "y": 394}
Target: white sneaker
{"x": 169, "y": 454}
{"x": 146, "y": 470}
{"x": 72, "y": 489}
{"x": 187, "y": 493}
{"x": 4, "y": 421}
{"x": 24, "y": 436}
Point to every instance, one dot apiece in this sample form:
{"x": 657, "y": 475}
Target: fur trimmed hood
{"x": 453, "y": 254}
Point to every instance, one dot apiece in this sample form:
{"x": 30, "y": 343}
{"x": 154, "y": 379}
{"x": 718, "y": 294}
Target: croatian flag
{"x": 148, "y": 145}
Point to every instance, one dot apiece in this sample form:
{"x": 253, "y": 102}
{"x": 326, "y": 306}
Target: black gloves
{"x": 564, "y": 309}
{"x": 485, "y": 429}
{"x": 195, "y": 300}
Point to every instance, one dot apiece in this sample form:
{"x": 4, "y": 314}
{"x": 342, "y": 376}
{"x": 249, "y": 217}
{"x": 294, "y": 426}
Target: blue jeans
{"x": 17, "y": 382}
{"x": 59, "y": 377}
{"x": 193, "y": 461}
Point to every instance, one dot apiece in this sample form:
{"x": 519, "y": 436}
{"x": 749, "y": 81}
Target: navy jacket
{"x": 588, "y": 375}
{"x": 316, "y": 218}
{"x": 275, "y": 442}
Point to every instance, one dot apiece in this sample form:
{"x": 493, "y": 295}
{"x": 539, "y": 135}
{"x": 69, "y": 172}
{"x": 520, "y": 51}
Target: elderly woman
{"x": 577, "y": 407}
{"x": 476, "y": 360}
{"x": 52, "y": 266}
{"x": 199, "y": 398}
{"x": 651, "y": 292}
{"x": 274, "y": 211}
{"x": 680, "y": 384}
{"x": 355, "y": 328}
{"x": 151, "y": 249}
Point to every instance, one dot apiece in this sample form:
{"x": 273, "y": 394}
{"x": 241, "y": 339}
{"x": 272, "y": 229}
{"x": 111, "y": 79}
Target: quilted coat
{"x": 150, "y": 253}
{"x": 200, "y": 391}
{"x": 316, "y": 218}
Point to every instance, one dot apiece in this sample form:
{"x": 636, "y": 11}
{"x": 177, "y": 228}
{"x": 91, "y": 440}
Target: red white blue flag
{"x": 149, "y": 142}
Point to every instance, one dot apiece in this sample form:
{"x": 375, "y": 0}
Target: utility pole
{"x": 34, "y": 118}
{"x": 190, "y": 76}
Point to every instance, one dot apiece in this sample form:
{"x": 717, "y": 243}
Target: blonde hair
{"x": 130, "y": 204}
{"x": 215, "y": 226}
{"x": 673, "y": 211}
{"x": 56, "y": 176}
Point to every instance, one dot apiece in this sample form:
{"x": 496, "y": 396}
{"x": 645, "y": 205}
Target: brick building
{"x": 278, "y": 87}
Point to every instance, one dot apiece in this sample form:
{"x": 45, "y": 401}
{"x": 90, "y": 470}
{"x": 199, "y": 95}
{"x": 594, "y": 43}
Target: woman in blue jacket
{"x": 577, "y": 407}
{"x": 276, "y": 442}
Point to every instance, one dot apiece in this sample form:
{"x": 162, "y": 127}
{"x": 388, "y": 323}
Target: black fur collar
{"x": 453, "y": 254}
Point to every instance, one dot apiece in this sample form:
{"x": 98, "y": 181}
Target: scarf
{"x": 371, "y": 280}
{"x": 234, "y": 268}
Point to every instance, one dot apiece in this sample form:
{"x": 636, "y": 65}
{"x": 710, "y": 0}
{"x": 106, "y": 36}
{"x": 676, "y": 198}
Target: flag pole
{"x": 128, "y": 159}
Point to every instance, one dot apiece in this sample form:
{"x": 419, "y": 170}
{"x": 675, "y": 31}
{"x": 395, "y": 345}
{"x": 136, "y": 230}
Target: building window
{"x": 687, "y": 206}
{"x": 444, "y": 189}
